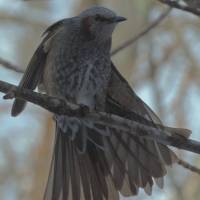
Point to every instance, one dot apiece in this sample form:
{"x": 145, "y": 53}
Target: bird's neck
{"x": 98, "y": 41}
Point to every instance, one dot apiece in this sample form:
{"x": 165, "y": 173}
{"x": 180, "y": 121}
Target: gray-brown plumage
{"x": 92, "y": 162}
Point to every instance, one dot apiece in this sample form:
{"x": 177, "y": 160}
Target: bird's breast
{"x": 81, "y": 77}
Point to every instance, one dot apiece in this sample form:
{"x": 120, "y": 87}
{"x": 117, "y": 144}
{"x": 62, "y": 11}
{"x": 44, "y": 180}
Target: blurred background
{"x": 163, "y": 67}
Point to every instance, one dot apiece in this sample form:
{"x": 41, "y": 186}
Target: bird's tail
{"x": 62, "y": 167}
{"x": 78, "y": 176}
{"x": 96, "y": 163}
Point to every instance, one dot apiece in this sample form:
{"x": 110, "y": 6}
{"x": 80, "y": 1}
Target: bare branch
{"x": 10, "y": 66}
{"x": 188, "y": 166}
{"x": 29, "y": 20}
{"x": 142, "y": 33}
{"x": 63, "y": 107}
{"x": 181, "y": 6}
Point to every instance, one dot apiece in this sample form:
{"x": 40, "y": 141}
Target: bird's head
{"x": 99, "y": 22}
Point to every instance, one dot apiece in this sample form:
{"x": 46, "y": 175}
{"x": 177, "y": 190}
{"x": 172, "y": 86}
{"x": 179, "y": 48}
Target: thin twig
{"x": 10, "y": 66}
{"x": 184, "y": 7}
{"x": 187, "y": 165}
{"x": 64, "y": 107}
{"x": 142, "y": 33}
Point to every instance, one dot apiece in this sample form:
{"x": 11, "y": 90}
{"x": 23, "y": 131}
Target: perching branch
{"x": 63, "y": 107}
{"x": 142, "y": 33}
{"x": 182, "y": 6}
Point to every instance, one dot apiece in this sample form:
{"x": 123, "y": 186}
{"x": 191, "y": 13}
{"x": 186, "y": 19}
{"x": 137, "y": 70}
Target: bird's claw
{"x": 11, "y": 94}
{"x": 84, "y": 110}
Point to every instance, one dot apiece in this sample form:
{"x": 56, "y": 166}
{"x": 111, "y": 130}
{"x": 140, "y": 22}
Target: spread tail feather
{"x": 108, "y": 164}
{"x": 75, "y": 175}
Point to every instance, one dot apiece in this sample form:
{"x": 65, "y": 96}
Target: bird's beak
{"x": 118, "y": 19}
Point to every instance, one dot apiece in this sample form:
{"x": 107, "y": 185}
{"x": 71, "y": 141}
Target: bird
{"x": 91, "y": 161}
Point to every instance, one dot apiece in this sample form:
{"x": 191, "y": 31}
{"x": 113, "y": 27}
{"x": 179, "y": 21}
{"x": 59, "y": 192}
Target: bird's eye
{"x": 100, "y": 18}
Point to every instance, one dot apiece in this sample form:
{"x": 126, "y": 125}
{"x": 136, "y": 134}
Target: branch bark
{"x": 181, "y": 6}
{"x": 10, "y": 66}
{"x": 142, "y": 33}
{"x": 63, "y": 107}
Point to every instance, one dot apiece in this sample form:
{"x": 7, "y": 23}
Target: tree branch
{"x": 181, "y": 6}
{"x": 63, "y": 107}
{"x": 10, "y": 66}
{"x": 142, "y": 33}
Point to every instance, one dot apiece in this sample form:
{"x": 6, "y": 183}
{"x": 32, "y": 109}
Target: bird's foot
{"x": 84, "y": 110}
{"x": 11, "y": 93}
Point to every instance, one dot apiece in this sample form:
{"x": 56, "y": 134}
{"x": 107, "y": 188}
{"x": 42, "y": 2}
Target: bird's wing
{"x": 140, "y": 159}
{"x": 120, "y": 96}
{"x": 34, "y": 71}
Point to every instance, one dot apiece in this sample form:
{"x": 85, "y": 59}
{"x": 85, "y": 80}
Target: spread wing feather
{"x": 143, "y": 160}
{"x": 30, "y": 78}
{"x": 34, "y": 70}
